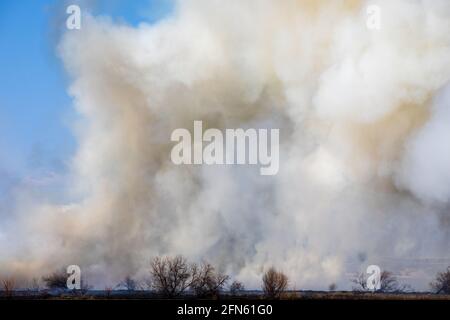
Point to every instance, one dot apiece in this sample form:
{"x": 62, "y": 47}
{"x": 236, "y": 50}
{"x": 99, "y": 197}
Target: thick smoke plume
{"x": 364, "y": 118}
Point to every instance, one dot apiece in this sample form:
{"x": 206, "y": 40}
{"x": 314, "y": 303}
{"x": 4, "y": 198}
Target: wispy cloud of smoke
{"x": 364, "y": 118}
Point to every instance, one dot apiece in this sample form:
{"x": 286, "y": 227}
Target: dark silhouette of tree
{"x": 56, "y": 280}
{"x": 207, "y": 282}
{"x": 172, "y": 276}
{"x": 274, "y": 283}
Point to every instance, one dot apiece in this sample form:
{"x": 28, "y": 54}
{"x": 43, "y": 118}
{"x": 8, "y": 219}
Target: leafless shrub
{"x": 172, "y": 276}
{"x": 236, "y": 287}
{"x": 360, "y": 282}
{"x": 442, "y": 282}
{"x": 56, "y": 280}
{"x": 8, "y": 286}
{"x": 332, "y": 287}
{"x": 207, "y": 282}
{"x": 388, "y": 283}
{"x": 129, "y": 284}
{"x": 274, "y": 283}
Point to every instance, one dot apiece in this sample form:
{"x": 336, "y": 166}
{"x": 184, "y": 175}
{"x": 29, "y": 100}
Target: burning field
{"x": 364, "y": 158}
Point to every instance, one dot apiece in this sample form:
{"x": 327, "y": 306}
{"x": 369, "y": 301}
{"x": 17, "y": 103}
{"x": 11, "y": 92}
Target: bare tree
{"x": 388, "y": 283}
{"x": 274, "y": 283}
{"x": 442, "y": 282}
{"x": 236, "y": 287}
{"x": 207, "y": 282}
{"x": 172, "y": 276}
{"x": 8, "y": 286}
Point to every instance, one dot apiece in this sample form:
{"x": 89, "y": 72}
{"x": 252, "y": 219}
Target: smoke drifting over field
{"x": 364, "y": 120}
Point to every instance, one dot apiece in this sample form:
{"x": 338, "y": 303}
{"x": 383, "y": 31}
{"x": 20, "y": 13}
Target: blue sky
{"x": 35, "y": 110}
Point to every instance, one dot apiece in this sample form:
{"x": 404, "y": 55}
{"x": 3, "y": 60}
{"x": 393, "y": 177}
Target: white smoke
{"x": 364, "y": 158}
{"x": 427, "y": 156}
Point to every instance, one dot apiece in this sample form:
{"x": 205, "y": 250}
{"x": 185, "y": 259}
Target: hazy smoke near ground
{"x": 364, "y": 120}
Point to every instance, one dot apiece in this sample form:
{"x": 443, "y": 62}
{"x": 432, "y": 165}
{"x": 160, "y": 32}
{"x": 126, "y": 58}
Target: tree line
{"x": 172, "y": 277}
